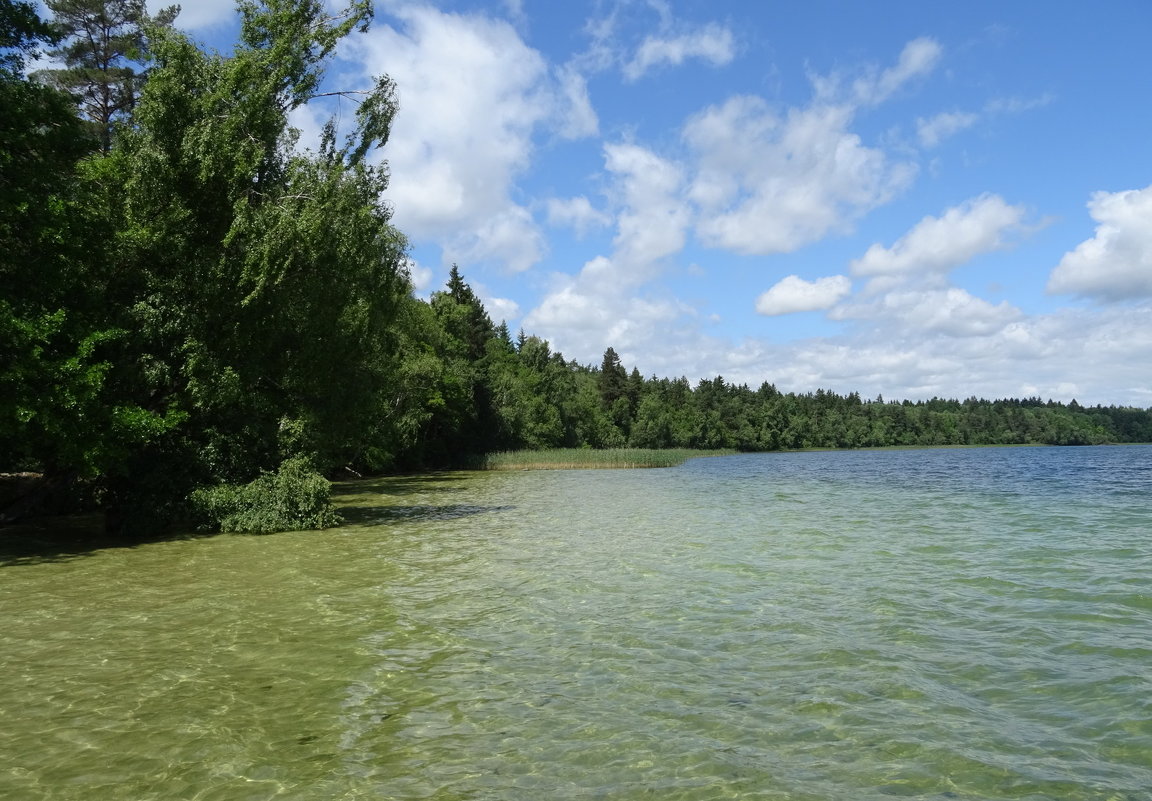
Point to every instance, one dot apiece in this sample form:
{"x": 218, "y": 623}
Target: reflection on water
{"x": 944, "y": 624}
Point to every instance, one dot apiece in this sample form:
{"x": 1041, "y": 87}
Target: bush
{"x": 294, "y": 498}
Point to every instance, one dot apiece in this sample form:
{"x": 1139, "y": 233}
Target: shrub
{"x": 294, "y": 498}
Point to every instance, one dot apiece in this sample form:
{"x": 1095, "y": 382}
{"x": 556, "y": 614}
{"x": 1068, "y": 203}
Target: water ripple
{"x": 820, "y": 627}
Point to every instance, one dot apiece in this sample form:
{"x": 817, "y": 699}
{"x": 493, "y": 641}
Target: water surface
{"x": 842, "y": 626}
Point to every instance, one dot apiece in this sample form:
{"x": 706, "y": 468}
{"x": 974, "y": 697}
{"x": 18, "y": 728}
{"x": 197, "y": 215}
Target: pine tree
{"x": 103, "y": 39}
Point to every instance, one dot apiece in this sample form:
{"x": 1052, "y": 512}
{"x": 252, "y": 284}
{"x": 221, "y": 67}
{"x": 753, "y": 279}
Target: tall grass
{"x": 587, "y": 459}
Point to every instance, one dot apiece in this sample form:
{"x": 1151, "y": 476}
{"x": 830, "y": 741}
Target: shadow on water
{"x": 399, "y": 485}
{"x": 405, "y": 499}
{"x": 68, "y": 537}
{"x": 382, "y": 515}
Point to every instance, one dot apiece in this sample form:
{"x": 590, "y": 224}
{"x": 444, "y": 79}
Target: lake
{"x": 830, "y": 626}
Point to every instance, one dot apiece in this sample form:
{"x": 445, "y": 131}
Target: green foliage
{"x": 294, "y": 498}
{"x": 21, "y": 31}
{"x": 58, "y": 345}
{"x": 263, "y": 282}
{"x": 613, "y": 379}
{"x": 102, "y": 38}
{"x": 203, "y": 302}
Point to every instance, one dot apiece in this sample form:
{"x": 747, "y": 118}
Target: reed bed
{"x": 588, "y": 459}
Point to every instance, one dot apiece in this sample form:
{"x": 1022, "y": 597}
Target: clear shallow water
{"x": 851, "y": 626}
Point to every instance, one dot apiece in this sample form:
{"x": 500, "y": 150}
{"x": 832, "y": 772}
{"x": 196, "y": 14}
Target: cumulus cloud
{"x": 907, "y": 344}
{"x": 933, "y": 130}
{"x": 712, "y": 43}
{"x": 510, "y": 237}
{"x": 201, "y": 15}
{"x": 1095, "y": 357}
{"x": 421, "y": 276}
{"x": 654, "y": 220}
{"x": 584, "y": 315}
{"x": 458, "y": 146}
{"x": 767, "y": 183}
{"x": 949, "y": 311}
{"x": 576, "y": 213}
{"x": 794, "y": 294}
{"x": 499, "y": 309}
{"x": 936, "y": 245}
{"x": 1116, "y": 263}
{"x": 754, "y": 180}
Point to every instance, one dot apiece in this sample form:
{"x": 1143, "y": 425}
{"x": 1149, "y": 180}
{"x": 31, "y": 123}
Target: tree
{"x": 464, "y": 316}
{"x": 40, "y": 142}
{"x": 56, "y": 413}
{"x": 103, "y": 38}
{"x": 257, "y": 284}
{"x": 21, "y": 31}
{"x": 613, "y": 379}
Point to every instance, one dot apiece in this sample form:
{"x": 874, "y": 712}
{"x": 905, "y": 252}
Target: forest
{"x": 202, "y": 321}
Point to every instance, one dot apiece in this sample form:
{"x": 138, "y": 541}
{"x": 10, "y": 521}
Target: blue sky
{"x": 907, "y": 198}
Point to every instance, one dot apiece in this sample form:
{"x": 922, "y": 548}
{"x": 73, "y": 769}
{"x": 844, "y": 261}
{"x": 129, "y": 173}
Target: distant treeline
{"x": 199, "y": 322}
{"x": 516, "y": 393}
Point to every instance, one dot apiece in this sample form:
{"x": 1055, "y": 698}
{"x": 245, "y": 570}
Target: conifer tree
{"x": 613, "y": 379}
{"x": 103, "y": 40}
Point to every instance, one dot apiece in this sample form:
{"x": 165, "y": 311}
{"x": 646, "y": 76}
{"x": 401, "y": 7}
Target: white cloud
{"x": 771, "y": 184}
{"x": 909, "y": 344}
{"x": 755, "y": 180}
{"x": 510, "y": 237}
{"x": 712, "y": 43}
{"x": 421, "y": 276}
{"x": 571, "y": 310}
{"x": 309, "y": 120}
{"x": 1116, "y": 263}
{"x": 585, "y": 315}
{"x": 936, "y": 245}
{"x": 654, "y": 219}
{"x": 577, "y": 117}
{"x": 794, "y": 294}
{"x": 459, "y": 145}
{"x": 918, "y": 58}
{"x": 595, "y": 309}
{"x": 948, "y": 311}
{"x": 1094, "y": 357}
{"x": 199, "y": 15}
{"x": 576, "y": 213}
{"x": 499, "y": 309}
{"x": 933, "y": 130}
{"x": 1018, "y": 105}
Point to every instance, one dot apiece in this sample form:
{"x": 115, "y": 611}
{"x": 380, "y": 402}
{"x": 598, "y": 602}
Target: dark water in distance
{"x": 833, "y": 626}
